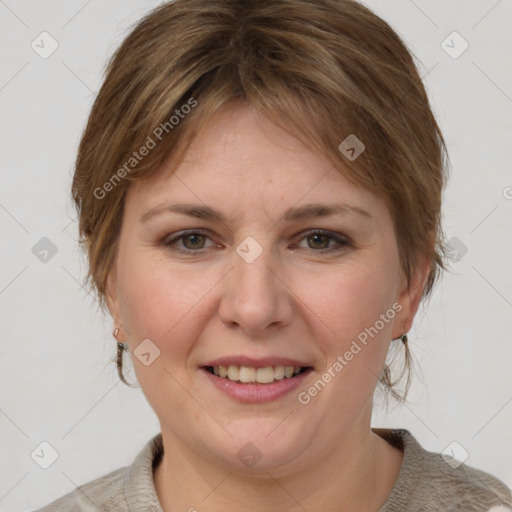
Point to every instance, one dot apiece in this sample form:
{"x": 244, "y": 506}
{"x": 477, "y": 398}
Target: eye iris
{"x": 194, "y": 237}
{"x": 317, "y": 237}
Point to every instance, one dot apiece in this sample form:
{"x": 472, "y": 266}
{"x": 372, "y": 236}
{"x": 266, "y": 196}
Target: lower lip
{"x": 255, "y": 393}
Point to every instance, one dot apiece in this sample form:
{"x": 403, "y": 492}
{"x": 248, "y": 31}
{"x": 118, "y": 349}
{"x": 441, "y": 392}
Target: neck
{"x": 358, "y": 474}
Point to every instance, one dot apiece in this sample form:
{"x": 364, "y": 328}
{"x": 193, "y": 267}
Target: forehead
{"x": 241, "y": 160}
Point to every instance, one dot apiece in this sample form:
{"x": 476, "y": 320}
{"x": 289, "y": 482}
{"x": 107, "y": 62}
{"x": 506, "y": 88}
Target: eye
{"x": 190, "y": 241}
{"x": 325, "y": 241}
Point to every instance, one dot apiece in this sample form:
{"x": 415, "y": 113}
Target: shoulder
{"x": 104, "y": 493}
{"x": 130, "y": 488}
{"x": 436, "y": 482}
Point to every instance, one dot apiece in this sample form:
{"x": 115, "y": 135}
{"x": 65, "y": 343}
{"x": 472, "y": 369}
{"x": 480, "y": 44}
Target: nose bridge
{"x": 253, "y": 268}
{"x": 255, "y": 297}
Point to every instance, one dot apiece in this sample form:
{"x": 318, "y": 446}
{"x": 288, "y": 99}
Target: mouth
{"x": 248, "y": 379}
{"x": 256, "y": 384}
{"x": 253, "y": 375}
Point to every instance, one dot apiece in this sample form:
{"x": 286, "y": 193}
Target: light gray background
{"x": 57, "y": 383}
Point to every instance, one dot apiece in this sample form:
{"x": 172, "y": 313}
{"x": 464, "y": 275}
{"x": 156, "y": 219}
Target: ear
{"x": 111, "y": 297}
{"x": 410, "y": 296}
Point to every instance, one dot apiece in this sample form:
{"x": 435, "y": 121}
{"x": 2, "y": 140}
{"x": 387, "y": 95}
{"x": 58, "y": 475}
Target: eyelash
{"x": 342, "y": 240}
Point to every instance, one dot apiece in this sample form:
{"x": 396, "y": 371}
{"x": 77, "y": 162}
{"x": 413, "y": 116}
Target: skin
{"x": 294, "y": 300}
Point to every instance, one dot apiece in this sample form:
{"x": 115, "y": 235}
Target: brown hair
{"x": 322, "y": 70}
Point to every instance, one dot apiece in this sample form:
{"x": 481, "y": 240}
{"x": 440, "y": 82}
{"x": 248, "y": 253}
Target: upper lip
{"x": 260, "y": 362}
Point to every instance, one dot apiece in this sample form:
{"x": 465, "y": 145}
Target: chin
{"x": 263, "y": 444}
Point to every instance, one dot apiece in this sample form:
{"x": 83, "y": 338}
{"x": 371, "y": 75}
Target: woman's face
{"x": 262, "y": 279}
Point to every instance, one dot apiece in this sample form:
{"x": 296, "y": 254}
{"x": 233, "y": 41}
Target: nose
{"x": 256, "y": 297}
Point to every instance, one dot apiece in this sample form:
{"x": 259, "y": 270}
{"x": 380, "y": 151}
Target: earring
{"x": 120, "y": 346}
{"x": 403, "y": 338}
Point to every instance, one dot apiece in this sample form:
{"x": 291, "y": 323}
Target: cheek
{"x": 355, "y": 308}
{"x": 353, "y": 314}
{"x": 352, "y": 298}
{"x": 162, "y": 302}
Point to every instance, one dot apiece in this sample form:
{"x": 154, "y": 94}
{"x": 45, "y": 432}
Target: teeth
{"x": 264, "y": 375}
{"x": 279, "y": 372}
{"x": 246, "y": 374}
{"x": 233, "y": 372}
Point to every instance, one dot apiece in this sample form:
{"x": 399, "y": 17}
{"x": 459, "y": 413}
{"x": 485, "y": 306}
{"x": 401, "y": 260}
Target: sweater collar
{"x": 139, "y": 487}
{"x": 141, "y": 495}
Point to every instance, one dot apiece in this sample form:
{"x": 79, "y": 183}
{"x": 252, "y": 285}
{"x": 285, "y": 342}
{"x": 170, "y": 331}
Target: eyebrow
{"x": 295, "y": 213}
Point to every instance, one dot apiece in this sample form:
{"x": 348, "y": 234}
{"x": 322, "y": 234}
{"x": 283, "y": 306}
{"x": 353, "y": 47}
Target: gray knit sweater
{"x": 426, "y": 482}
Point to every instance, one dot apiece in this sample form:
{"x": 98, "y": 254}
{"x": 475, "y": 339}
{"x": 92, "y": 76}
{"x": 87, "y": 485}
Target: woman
{"x": 259, "y": 194}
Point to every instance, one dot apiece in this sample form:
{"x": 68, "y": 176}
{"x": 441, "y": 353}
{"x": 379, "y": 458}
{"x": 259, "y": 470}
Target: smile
{"x": 247, "y": 374}
{"x": 244, "y": 383}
